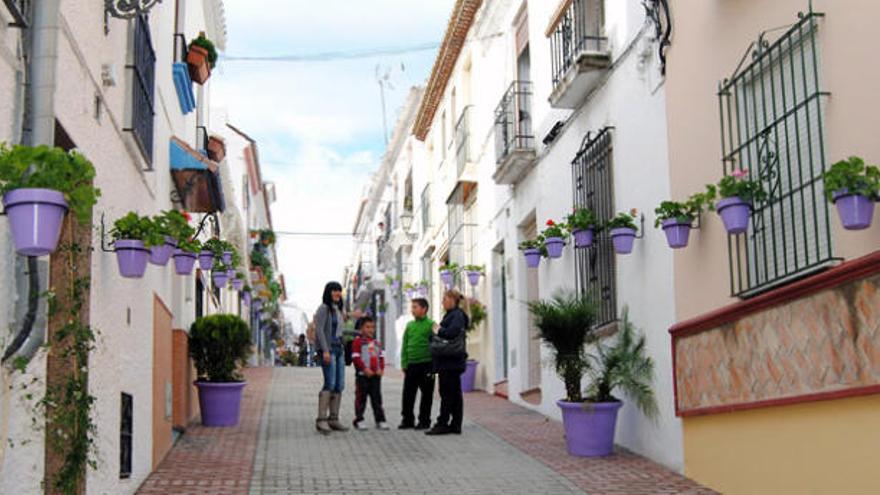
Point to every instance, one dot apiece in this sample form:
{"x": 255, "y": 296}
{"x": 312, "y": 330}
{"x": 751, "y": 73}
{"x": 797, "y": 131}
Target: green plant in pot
{"x": 201, "y": 58}
{"x": 583, "y": 224}
{"x": 738, "y": 194}
{"x": 853, "y": 187}
{"x": 554, "y": 238}
{"x": 133, "y": 236}
{"x": 219, "y": 346}
{"x": 623, "y": 230}
{"x": 173, "y": 226}
{"x": 185, "y": 255}
{"x": 533, "y": 250}
{"x": 677, "y": 218}
{"x": 447, "y": 274}
{"x": 474, "y": 272}
{"x": 39, "y": 185}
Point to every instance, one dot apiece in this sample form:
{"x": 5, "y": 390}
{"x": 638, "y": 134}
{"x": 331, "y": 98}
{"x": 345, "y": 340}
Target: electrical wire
{"x": 334, "y": 55}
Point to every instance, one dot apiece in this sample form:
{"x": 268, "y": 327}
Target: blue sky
{"x": 319, "y": 124}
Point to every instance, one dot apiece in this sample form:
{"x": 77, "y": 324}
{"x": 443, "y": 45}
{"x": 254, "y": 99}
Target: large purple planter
{"x": 589, "y": 427}
{"x": 220, "y": 278}
{"x": 238, "y": 284}
{"x": 220, "y": 403}
{"x": 131, "y": 256}
{"x": 184, "y": 262}
{"x": 469, "y": 377}
{"x": 735, "y": 214}
{"x": 474, "y": 278}
{"x": 227, "y": 257}
{"x": 35, "y": 217}
{"x": 206, "y": 260}
{"x": 623, "y": 239}
{"x": 533, "y": 257}
{"x": 856, "y": 211}
{"x": 583, "y": 238}
{"x": 447, "y": 277}
{"x": 159, "y": 255}
{"x": 677, "y": 233}
{"x": 554, "y": 247}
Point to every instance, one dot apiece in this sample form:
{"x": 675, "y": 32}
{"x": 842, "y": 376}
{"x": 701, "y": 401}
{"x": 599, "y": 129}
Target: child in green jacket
{"x": 415, "y": 359}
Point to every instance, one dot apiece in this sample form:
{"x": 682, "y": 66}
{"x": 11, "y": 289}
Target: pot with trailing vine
{"x": 161, "y": 254}
{"x": 854, "y": 188}
{"x": 206, "y": 259}
{"x": 219, "y": 346}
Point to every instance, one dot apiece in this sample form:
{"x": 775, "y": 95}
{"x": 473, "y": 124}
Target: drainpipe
{"x": 40, "y": 120}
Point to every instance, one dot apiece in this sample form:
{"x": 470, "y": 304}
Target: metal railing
{"x": 462, "y": 140}
{"x": 21, "y": 12}
{"x": 513, "y": 121}
{"x": 180, "y": 48}
{"x": 144, "y": 68}
{"x": 592, "y": 179}
{"x": 579, "y": 30}
{"x": 772, "y": 124}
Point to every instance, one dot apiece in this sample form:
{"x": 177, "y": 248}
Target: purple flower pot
{"x": 220, "y": 277}
{"x": 474, "y": 278}
{"x": 230, "y": 275}
{"x": 395, "y": 285}
{"x": 227, "y": 257}
{"x": 246, "y": 298}
{"x": 206, "y": 260}
{"x": 159, "y": 255}
{"x": 677, "y": 233}
{"x": 735, "y": 214}
{"x": 220, "y": 403}
{"x": 447, "y": 276}
{"x": 257, "y": 305}
{"x": 131, "y": 256}
{"x": 589, "y": 427}
{"x": 422, "y": 291}
{"x": 533, "y": 257}
{"x": 35, "y": 217}
{"x": 184, "y": 262}
{"x": 554, "y": 247}
{"x": 410, "y": 293}
{"x": 237, "y": 284}
{"x": 583, "y": 237}
{"x": 856, "y": 211}
{"x": 623, "y": 239}
{"x": 469, "y": 376}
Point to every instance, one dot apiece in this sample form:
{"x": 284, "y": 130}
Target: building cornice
{"x": 460, "y": 22}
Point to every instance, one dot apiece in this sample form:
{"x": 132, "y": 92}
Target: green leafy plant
{"x": 267, "y": 237}
{"x": 477, "y": 313}
{"x": 535, "y": 243}
{"x": 623, "y": 365}
{"x": 624, "y": 220}
{"x": 687, "y": 211}
{"x": 261, "y": 261}
{"x": 854, "y": 177}
{"x": 239, "y": 276}
{"x": 737, "y": 185}
{"x": 474, "y": 268}
{"x": 582, "y": 219}
{"x": 565, "y": 323}
{"x": 450, "y": 267}
{"x": 190, "y": 245}
{"x": 247, "y": 288}
{"x": 174, "y": 224}
{"x": 43, "y": 167}
{"x": 219, "y": 345}
{"x": 208, "y": 45}
{"x": 135, "y": 227}
{"x": 553, "y": 230}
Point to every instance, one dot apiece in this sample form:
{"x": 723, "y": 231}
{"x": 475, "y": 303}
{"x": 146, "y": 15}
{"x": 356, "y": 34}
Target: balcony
{"x": 467, "y": 170}
{"x": 579, "y": 53}
{"x": 514, "y": 140}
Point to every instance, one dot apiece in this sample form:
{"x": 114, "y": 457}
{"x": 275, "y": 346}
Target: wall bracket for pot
{"x": 641, "y": 232}
{"x": 103, "y": 238}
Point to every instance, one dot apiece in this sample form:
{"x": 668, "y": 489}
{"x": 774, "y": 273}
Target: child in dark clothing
{"x": 369, "y": 361}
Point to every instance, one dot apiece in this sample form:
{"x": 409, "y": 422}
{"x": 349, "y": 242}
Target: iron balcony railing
{"x": 513, "y": 121}
{"x": 144, "y": 68}
{"x": 462, "y": 140}
{"x": 579, "y": 30}
{"x": 772, "y": 126}
{"x": 21, "y": 12}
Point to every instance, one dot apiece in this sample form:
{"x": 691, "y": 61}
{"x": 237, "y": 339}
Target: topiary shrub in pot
{"x": 39, "y": 185}
{"x": 219, "y": 346}
{"x": 583, "y": 224}
{"x": 133, "y": 236}
{"x": 738, "y": 195}
{"x": 853, "y": 187}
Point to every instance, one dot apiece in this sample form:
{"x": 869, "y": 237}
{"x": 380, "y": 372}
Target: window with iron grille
{"x": 593, "y": 184}
{"x": 126, "y": 429}
{"x": 426, "y": 208}
{"x": 771, "y": 125}
{"x": 144, "y": 70}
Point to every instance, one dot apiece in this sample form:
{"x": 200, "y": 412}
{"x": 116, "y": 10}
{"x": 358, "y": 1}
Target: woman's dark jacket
{"x": 454, "y": 324}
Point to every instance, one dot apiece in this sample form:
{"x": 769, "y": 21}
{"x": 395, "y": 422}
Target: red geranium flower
{"x": 550, "y": 223}
{"x": 186, "y": 215}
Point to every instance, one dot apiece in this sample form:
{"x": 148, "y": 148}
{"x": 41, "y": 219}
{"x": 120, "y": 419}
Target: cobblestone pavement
{"x": 293, "y": 458}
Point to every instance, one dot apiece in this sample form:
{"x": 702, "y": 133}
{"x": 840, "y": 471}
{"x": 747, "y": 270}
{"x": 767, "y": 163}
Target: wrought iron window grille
{"x": 143, "y": 90}
{"x": 20, "y": 11}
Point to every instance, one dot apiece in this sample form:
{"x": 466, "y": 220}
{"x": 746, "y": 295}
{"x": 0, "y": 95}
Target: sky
{"x": 318, "y": 122}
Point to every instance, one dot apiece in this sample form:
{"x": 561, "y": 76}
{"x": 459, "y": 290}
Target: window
{"x": 144, "y": 69}
{"x": 771, "y": 124}
{"x": 126, "y": 429}
{"x": 594, "y": 189}
{"x": 426, "y": 208}
{"x": 427, "y": 273}
{"x": 200, "y": 298}
{"x": 443, "y": 135}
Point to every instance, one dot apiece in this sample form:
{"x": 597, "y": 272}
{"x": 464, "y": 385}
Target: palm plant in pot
{"x": 677, "y": 218}
{"x": 474, "y": 272}
{"x": 582, "y": 223}
{"x": 738, "y": 196}
{"x": 853, "y": 187}
{"x": 554, "y": 239}
{"x": 219, "y": 346}
{"x": 623, "y": 230}
{"x": 133, "y": 236}
{"x": 447, "y": 274}
{"x": 39, "y": 185}
{"x": 532, "y": 250}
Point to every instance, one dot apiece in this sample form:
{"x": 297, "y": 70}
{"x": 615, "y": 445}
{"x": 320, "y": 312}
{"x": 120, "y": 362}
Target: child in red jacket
{"x": 369, "y": 361}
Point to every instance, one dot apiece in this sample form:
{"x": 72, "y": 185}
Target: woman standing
{"x": 328, "y": 340}
{"x": 450, "y": 368}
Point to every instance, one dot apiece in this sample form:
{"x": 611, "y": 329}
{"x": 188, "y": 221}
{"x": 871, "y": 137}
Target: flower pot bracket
{"x": 196, "y": 179}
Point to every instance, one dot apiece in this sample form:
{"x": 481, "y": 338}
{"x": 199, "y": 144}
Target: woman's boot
{"x": 335, "y": 403}
{"x": 321, "y": 423}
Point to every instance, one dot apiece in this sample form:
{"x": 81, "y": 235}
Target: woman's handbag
{"x": 441, "y": 347}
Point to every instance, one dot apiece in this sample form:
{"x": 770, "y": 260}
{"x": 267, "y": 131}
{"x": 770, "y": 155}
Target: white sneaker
{"x": 382, "y": 426}
{"x": 360, "y": 426}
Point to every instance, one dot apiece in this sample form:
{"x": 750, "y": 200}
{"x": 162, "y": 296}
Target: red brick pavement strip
{"x": 543, "y": 439}
{"x": 216, "y": 461}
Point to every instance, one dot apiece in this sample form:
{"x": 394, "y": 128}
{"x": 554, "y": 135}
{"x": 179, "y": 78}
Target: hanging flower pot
{"x": 246, "y": 298}
{"x": 474, "y": 278}
{"x": 206, "y": 260}
{"x": 256, "y": 305}
{"x": 554, "y": 247}
{"x": 184, "y": 262}
{"x": 230, "y": 274}
{"x": 583, "y": 238}
{"x": 447, "y": 277}
{"x": 216, "y": 148}
{"x": 131, "y": 256}
{"x": 395, "y": 285}
{"x": 35, "y": 217}
{"x": 220, "y": 277}
{"x": 533, "y": 257}
{"x": 238, "y": 284}
{"x": 199, "y": 68}
{"x": 159, "y": 255}
{"x": 677, "y": 232}
{"x": 410, "y": 293}
{"x": 623, "y": 239}
{"x": 735, "y": 214}
{"x": 855, "y": 210}
{"x": 422, "y": 291}
{"x": 227, "y": 258}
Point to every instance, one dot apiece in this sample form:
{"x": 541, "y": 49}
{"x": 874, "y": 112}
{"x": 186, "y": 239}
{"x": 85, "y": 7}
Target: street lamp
{"x": 128, "y": 9}
{"x": 406, "y": 220}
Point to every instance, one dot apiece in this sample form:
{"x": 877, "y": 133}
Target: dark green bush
{"x": 219, "y": 345}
